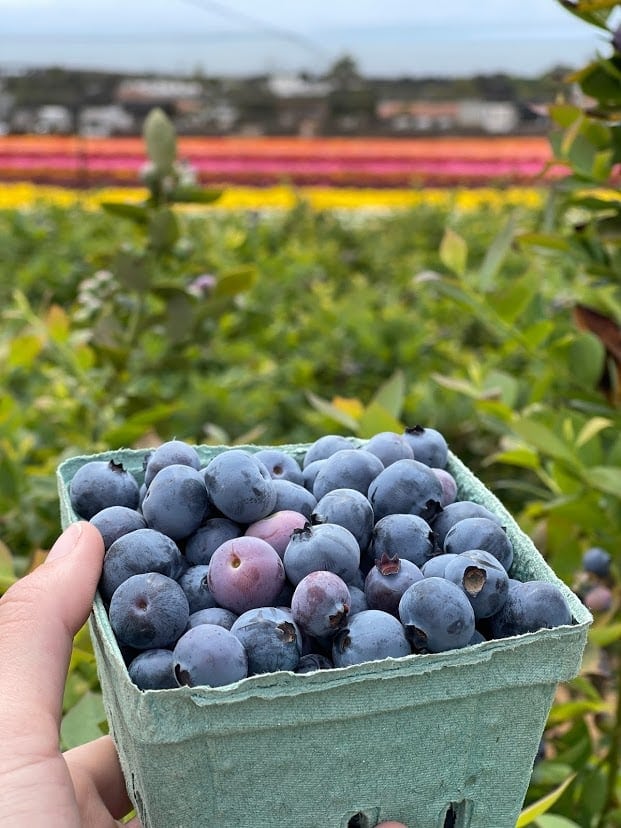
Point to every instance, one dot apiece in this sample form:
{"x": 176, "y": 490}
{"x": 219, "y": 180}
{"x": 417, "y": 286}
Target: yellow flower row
{"x": 26, "y": 195}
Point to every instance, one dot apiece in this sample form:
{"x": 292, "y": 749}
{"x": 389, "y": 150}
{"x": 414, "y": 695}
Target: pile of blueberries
{"x": 257, "y": 563}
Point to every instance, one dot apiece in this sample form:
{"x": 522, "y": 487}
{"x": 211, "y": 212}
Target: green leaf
{"x": 564, "y": 114}
{"x": 332, "y": 412}
{"x": 524, "y": 458}
{"x": 586, "y": 358}
{"x": 376, "y": 418}
{"x": 163, "y": 229}
{"x": 83, "y": 722}
{"x": 543, "y": 439}
{"x": 453, "y": 252}
{"x": 497, "y": 253}
{"x": 605, "y": 635}
{"x": 576, "y": 710}
{"x": 545, "y": 240}
{"x": 160, "y": 138}
{"x": 456, "y": 384}
{"x": 604, "y": 478}
{"x": 7, "y": 568}
{"x": 131, "y": 270}
{"x": 24, "y": 351}
{"x": 592, "y": 428}
{"x": 554, "y": 821}
{"x": 390, "y": 396}
{"x": 235, "y": 281}
{"x": 139, "y": 424}
{"x": 134, "y": 212}
{"x": 196, "y": 195}
{"x": 532, "y": 812}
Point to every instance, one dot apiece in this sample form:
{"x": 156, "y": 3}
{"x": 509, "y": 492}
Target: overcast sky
{"x": 238, "y": 37}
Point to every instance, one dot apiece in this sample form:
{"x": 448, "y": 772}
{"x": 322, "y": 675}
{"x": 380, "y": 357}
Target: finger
{"x": 39, "y": 615}
{"x": 99, "y": 760}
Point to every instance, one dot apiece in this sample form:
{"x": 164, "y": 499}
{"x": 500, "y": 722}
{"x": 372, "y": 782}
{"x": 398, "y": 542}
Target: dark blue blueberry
{"x": 149, "y": 611}
{"x": 370, "y": 635}
{"x": 449, "y": 485}
{"x": 454, "y": 512}
{"x": 99, "y": 484}
{"x": 436, "y": 566}
{"x": 143, "y": 550}
{"x": 429, "y": 446}
{"x": 407, "y": 536}
{"x": 176, "y": 501}
{"x": 596, "y": 561}
{"x": 349, "y": 508}
{"x": 209, "y": 655}
{"x": 389, "y": 447}
{"x": 310, "y": 473}
{"x": 280, "y": 465}
{"x": 326, "y": 546}
{"x": 347, "y": 469}
{"x": 212, "y": 615}
{"x": 172, "y": 452}
{"x": 483, "y": 579}
{"x": 325, "y": 446}
{"x": 194, "y": 583}
{"x": 437, "y": 615}
{"x": 480, "y": 533}
{"x": 311, "y": 662}
{"x": 201, "y": 544}
{"x": 406, "y": 487}
{"x": 240, "y": 486}
{"x": 291, "y": 497}
{"x": 153, "y": 670}
{"x": 358, "y": 600}
{"x": 114, "y": 521}
{"x": 271, "y": 639}
{"x": 530, "y": 606}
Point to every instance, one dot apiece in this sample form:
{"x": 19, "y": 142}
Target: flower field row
{"x": 280, "y": 197}
{"x": 262, "y": 161}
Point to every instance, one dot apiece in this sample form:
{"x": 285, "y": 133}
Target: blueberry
{"x": 530, "y": 606}
{"x": 99, "y": 484}
{"x": 240, "y": 486}
{"x": 320, "y": 603}
{"x": 349, "y": 508}
{"x": 311, "y": 662}
{"x": 436, "y": 566}
{"x": 212, "y": 615}
{"x": 325, "y": 446}
{"x": 326, "y": 546}
{"x": 277, "y": 528}
{"x": 310, "y": 473}
{"x": 370, "y": 635}
{"x": 388, "y": 580}
{"x": 209, "y": 655}
{"x": 176, "y": 501}
{"x": 454, "y": 512}
{"x": 291, "y": 497}
{"x": 596, "y": 561}
{"x": 389, "y": 447}
{"x": 114, "y": 521}
{"x": 149, "y": 611}
{"x": 449, "y": 485}
{"x": 358, "y": 600}
{"x": 172, "y": 452}
{"x": 201, "y": 544}
{"x": 194, "y": 582}
{"x": 480, "y": 533}
{"x": 429, "y": 446}
{"x": 437, "y": 615}
{"x": 271, "y": 639}
{"x": 280, "y": 465}
{"x": 406, "y": 536}
{"x": 153, "y": 670}
{"x": 482, "y": 578}
{"x": 406, "y": 487}
{"x": 598, "y": 599}
{"x": 143, "y": 550}
{"x": 245, "y": 573}
{"x": 347, "y": 469}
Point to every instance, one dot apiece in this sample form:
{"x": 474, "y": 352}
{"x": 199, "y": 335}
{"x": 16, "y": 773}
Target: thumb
{"x": 39, "y": 616}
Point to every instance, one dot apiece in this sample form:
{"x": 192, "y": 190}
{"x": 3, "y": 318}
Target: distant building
{"x": 176, "y": 97}
{"x": 53, "y": 120}
{"x": 492, "y": 117}
{"x": 301, "y": 105}
{"x": 103, "y": 121}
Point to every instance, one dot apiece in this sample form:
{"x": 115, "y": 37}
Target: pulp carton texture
{"x": 430, "y": 740}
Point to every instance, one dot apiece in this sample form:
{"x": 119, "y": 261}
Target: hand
{"x": 40, "y": 787}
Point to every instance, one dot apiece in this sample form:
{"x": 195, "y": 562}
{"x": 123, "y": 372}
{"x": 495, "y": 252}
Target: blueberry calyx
{"x": 474, "y": 580}
{"x": 388, "y": 564}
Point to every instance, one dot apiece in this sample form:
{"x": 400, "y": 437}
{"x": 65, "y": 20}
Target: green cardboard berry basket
{"x": 410, "y": 739}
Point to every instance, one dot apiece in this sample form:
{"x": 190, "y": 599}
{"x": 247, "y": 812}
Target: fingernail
{"x": 66, "y": 542}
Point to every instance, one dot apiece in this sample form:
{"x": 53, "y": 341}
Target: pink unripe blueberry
{"x": 245, "y": 573}
{"x": 277, "y": 528}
